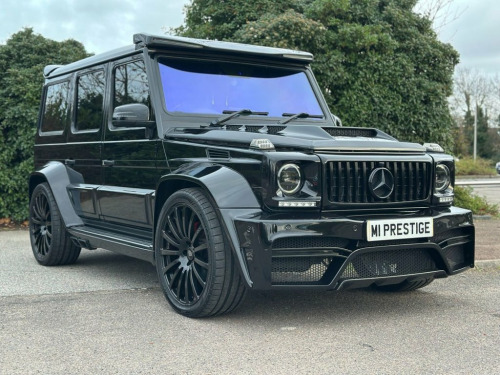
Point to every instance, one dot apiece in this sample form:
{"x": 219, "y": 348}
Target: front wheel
{"x": 196, "y": 267}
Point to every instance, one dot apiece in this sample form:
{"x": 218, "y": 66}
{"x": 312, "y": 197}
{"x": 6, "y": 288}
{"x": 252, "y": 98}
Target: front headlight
{"x": 442, "y": 178}
{"x": 289, "y": 179}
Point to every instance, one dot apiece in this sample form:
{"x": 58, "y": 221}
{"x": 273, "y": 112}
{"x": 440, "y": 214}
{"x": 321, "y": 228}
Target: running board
{"x": 122, "y": 244}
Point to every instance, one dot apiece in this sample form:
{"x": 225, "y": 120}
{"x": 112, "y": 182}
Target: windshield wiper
{"x": 233, "y": 114}
{"x": 294, "y": 116}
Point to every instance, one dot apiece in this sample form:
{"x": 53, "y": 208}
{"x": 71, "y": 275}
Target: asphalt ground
{"x": 106, "y": 315}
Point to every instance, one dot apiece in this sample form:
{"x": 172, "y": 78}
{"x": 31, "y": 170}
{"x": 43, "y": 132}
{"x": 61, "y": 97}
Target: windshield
{"x": 214, "y": 87}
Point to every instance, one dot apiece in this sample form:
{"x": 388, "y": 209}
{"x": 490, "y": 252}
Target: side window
{"x": 90, "y": 96}
{"x": 55, "y": 115}
{"x": 131, "y": 84}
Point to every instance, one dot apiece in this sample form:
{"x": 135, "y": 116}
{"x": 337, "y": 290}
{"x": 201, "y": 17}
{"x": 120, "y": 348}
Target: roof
{"x": 168, "y": 42}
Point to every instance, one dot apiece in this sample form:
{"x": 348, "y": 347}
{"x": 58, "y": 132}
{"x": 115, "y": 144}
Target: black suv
{"x": 221, "y": 164}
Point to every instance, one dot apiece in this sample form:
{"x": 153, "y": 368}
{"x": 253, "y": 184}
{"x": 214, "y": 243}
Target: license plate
{"x": 396, "y": 229}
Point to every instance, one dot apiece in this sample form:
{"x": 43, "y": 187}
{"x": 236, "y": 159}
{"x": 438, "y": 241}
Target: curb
{"x": 487, "y": 264}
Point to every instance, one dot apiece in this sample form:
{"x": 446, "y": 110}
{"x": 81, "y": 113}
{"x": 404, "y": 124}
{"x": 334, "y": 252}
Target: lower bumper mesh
{"x": 389, "y": 263}
{"x": 303, "y": 270}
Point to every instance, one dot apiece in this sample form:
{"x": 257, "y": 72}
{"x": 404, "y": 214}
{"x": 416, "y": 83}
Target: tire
{"x": 196, "y": 267}
{"x": 50, "y": 242}
{"x": 405, "y": 286}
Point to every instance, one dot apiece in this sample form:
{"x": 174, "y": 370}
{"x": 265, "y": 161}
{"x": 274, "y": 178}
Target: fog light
{"x": 297, "y": 204}
{"x": 445, "y": 199}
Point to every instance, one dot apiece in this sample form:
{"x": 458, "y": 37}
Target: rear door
{"x": 82, "y": 152}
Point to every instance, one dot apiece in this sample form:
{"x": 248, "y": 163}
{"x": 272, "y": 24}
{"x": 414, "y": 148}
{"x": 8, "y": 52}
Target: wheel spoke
{"x": 167, "y": 252}
{"x": 179, "y": 284}
{"x": 47, "y": 243}
{"x": 169, "y": 239}
{"x": 183, "y": 219}
{"x": 173, "y": 229}
{"x": 36, "y": 220}
{"x": 43, "y": 248}
{"x": 190, "y": 225}
{"x": 198, "y": 231}
{"x": 186, "y": 287}
{"x": 171, "y": 282}
{"x": 178, "y": 222}
{"x": 198, "y": 277}
{"x": 203, "y": 246}
{"x": 201, "y": 263}
{"x": 36, "y": 208}
{"x": 170, "y": 265}
{"x": 195, "y": 293}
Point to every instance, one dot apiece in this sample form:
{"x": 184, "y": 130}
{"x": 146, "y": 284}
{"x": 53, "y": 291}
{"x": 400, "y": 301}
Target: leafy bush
{"x": 467, "y": 166}
{"x": 465, "y": 198}
{"x": 22, "y": 60}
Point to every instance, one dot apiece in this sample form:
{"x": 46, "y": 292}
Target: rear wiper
{"x": 233, "y": 114}
{"x": 294, "y": 116}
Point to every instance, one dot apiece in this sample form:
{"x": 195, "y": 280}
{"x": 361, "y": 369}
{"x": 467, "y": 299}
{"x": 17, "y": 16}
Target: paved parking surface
{"x": 106, "y": 315}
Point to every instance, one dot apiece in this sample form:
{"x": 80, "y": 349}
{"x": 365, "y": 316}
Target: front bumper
{"x": 285, "y": 251}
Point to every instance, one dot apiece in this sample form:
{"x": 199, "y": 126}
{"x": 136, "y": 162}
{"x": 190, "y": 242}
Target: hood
{"x": 304, "y": 138}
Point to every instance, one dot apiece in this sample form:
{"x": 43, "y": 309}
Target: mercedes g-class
{"x": 222, "y": 165}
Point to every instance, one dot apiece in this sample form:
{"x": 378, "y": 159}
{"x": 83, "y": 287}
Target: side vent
{"x": 218, "y": 154}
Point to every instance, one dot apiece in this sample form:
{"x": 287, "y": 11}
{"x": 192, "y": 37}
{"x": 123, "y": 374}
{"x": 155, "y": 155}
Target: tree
{"x": 476, "y": 91}
{"x": 379, "y": 63}
{"x": 22, "y": 60}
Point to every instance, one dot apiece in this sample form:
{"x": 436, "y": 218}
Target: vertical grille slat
{"x": 348, "y": 181}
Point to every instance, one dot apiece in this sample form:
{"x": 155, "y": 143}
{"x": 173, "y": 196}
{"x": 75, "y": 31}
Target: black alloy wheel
{"x": 197, "y": 272}
{"x": 50, "y": 242}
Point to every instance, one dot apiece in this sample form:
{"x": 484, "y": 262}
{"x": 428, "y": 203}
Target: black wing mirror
{"x": 132, "y": 116}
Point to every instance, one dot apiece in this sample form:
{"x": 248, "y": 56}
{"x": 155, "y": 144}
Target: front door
{"x": 129, "y": 157}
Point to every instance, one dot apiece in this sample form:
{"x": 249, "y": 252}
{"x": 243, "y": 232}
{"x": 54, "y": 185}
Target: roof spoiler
{"x": 147, "y": 40}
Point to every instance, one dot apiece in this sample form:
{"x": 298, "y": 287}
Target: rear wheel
{"x": 196, "y": 267}
{"x": 405, "y": 286}
{"x": 50, "y": 242}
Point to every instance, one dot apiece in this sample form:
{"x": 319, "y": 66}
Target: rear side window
{"x": 55, "y": 115}
{"x": 90, "y": 98}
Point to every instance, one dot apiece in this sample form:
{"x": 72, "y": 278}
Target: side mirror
{"x": 132, "y": 116}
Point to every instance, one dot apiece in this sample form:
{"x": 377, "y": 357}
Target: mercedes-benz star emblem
{"x": 381, "y": 182}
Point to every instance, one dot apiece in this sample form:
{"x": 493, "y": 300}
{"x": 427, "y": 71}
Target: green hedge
{"x": 22, "y": 60}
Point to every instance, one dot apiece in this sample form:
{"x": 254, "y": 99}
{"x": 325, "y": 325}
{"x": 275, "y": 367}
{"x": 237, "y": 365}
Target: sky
{"x": 472, "y": 27}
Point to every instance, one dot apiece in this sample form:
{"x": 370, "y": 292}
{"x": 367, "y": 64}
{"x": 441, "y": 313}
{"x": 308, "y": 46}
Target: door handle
{"x": 108, "y": 163}
{"x": 69, "y": 162}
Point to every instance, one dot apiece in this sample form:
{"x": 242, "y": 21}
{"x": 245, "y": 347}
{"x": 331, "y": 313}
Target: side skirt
{"x": 126, "y": 245}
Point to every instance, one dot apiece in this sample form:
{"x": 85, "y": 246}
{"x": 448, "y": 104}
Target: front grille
{"x": 389, "y": 263}
{"x": 348, "y": 181}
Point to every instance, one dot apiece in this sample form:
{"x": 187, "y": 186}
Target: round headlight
{"x": 289, "y": 179}
{"x": 442, "y": 177}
